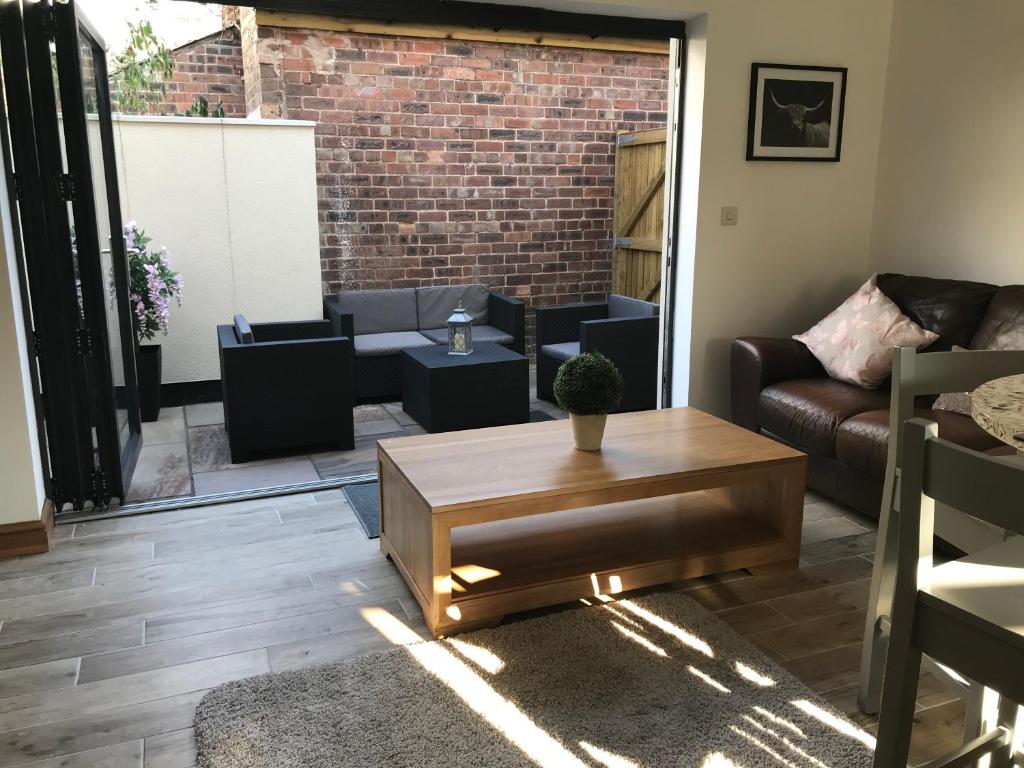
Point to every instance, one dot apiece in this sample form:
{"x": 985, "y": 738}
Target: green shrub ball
{"x": 588, "y": 385}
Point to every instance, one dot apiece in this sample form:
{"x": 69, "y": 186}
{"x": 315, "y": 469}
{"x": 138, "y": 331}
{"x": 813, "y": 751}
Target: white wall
{"x": 950, "y": 195}
{"x": 21, "y": 474}
{"x": 235, "y": 201}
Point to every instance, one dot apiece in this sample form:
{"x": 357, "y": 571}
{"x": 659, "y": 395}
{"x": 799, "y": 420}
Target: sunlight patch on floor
{"x": 606, "y": 758}
{"x": 785, "y": 740}
{"x": 779, "y": 721}
{"x": 482, "y": 657}
{"x": 623, "y": 617}
{"x": 640, "y": 640}
{"x": 708, "y": 679}
{"x": 763, "y": 747}
{"x": 498, "y": 711}
{"x": 835, "y": 723}
{"x": 751, "y": 674}
{"x": 718, "y": 760}
{"x": 673, "y": 630}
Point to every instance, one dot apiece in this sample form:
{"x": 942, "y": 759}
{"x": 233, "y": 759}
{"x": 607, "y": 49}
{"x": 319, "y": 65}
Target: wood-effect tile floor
{"x": 108, "y": 641}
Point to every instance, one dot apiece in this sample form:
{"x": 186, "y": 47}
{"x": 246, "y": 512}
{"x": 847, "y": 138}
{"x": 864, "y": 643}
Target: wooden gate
{"x": 639, "y": 214}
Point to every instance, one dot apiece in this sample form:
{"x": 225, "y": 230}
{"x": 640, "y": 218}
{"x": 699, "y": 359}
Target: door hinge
{"x": 37, "y": 343}
{"x": 50, "y": 23}
{"x": 83, "y": 341}
{"x": 55, "y": 496}
{"x": 100, "y": 489}
{"x": 19, "y": 186}
{"x": 67, "y": 187}
{"x": 622, "y": 242}
{"x": 624, "y": 138}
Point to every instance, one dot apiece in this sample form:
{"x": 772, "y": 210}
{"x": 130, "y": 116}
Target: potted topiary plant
{"x": 589, "y": 387}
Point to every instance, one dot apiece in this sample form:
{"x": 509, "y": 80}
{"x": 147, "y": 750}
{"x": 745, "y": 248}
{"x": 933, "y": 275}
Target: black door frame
{"x": 115, "y": 465}
{"x": 48, "y": 262}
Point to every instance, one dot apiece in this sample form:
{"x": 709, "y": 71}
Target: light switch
{"x": 730, "y": 215}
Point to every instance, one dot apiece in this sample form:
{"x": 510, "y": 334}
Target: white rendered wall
{"x": 235, "y": 202}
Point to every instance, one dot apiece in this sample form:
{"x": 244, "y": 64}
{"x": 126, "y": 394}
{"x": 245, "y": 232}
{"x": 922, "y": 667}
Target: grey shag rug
{"x": 651, "y": 681}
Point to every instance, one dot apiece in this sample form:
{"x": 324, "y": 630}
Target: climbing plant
{"x": 142, "y": 70}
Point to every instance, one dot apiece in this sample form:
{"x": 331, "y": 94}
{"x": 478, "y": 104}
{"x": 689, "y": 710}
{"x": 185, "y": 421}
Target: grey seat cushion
{"x": 380, "y": 344}
{"x": 561, "y": 351}
{"x": 624, "y": 306}
{"x": 481, "y": 333}
{"x": 434, "y": 304}
{"x": 380, "y": 311}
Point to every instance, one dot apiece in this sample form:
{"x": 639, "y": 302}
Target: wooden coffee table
{"x": 492, "y": 521}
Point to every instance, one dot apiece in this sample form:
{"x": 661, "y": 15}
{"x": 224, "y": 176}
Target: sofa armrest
{"x": 759, "y": 362}
{"x": 631, "y": 343}
{"x": 342, "y": 322}
{"x": 557, "y": 325}
{"x": 508, "y": 315}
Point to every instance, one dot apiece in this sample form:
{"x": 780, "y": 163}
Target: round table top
{"x": 998, "y": 407}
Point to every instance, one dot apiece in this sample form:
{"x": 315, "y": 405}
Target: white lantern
{"x": 460, "y": 332}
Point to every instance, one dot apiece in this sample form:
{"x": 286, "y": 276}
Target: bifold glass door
{"x": 74, "y": 258}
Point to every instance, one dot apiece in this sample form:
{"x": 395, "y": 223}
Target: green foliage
{"x": 201, "y": 108}
{"x": 142, "y": 69}
{"x": 588, "y": 384}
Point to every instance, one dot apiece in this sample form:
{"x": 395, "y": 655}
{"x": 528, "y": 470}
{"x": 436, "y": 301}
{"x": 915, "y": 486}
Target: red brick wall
{"x": 210, "y": 67}
{"x": 448, "y": 162}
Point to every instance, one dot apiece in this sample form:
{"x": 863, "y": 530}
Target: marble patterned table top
{"x": 998, "y": 407}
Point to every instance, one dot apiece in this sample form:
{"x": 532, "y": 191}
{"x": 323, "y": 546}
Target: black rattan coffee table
{"x": 487, "y": 388}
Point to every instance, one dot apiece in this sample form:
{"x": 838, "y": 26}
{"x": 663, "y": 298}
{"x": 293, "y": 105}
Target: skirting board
{"x": 28, "y": 538}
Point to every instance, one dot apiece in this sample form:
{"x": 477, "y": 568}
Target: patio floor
{"x": 185, "y": 453}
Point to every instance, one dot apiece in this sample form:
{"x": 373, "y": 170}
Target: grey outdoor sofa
{"x": 384, "y": 322}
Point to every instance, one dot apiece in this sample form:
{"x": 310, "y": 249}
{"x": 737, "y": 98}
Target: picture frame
{"x": 796, "y": 112}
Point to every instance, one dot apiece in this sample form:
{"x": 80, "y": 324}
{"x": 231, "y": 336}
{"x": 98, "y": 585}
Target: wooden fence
{"x": 639, "y": 214}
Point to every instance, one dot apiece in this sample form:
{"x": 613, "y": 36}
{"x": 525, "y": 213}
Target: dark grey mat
{"x": 653, "y": 681}
{"x": 536, "y": 416}
{"x": 366, "y": 504}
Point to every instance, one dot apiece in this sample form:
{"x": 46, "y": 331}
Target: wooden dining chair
{"x": 967, "y": 614}
{"x": 914, "y": 375}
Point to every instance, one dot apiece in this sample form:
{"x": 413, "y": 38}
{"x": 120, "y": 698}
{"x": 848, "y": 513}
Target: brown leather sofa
{"x": 781, "y": 390}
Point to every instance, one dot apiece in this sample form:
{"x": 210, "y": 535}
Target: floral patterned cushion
{"x": 855, "y": 342}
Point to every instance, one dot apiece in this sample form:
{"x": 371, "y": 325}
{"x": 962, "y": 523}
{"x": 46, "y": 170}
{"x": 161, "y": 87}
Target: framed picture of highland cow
{"x": 796, "y": 112}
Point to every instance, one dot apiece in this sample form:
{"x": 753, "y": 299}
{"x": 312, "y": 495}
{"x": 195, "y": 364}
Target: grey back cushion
{"x": 623, "y": 306}
{"x": 435, "y": 304}
{"x": 381, "y": 311}
{"x": 243, "y": 331}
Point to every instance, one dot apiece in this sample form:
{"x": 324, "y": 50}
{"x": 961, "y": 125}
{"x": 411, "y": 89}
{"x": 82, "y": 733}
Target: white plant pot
{"x": 588, "y": 431}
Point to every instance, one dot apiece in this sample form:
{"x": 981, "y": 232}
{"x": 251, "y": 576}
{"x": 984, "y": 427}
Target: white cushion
{"x": 855, "y": 342}
{"x": 380, "y": 344}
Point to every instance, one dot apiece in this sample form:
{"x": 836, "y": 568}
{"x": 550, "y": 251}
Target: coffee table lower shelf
{"x": 471, "y": 575}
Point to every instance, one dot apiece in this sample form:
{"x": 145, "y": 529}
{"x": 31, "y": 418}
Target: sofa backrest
{"x": 624, "y": 306}
{"x": 1003, "y": 324}
{"x": 434, "y": 304}
{"x": 951, "y": 308}
{"x": 380, "y": 311}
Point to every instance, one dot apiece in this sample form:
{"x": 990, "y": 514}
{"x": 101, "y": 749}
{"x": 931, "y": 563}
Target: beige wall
{"x": 235, "y": 202}
{"x": 21, "y": 474}
{"x": 950, "y": 194}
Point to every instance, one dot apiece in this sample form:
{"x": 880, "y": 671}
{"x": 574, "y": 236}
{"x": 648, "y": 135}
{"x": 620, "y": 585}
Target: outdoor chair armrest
{"x": 508, "y": 315}
{"x": 557, "y": 325}
{"x": 342, "y": 322}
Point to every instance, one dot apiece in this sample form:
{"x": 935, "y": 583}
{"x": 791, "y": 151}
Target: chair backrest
{"x": 988, "y": 488}
{"x": 624, "y": 306}
{"x": 933, "y": 373}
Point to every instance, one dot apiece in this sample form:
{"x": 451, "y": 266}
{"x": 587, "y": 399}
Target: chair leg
{"x": 899, "y": 695}
{"x": 883, "y": 581}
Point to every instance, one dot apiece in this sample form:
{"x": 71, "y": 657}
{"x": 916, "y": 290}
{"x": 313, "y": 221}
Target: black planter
{"x": 149, "y": 381}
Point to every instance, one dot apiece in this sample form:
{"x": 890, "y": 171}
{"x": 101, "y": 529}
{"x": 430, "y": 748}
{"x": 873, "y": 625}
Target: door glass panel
{"x": 117, "y": 302}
